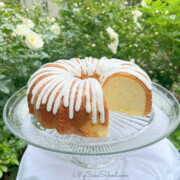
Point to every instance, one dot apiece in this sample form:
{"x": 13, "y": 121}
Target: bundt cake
{"x": 74, "y": 96}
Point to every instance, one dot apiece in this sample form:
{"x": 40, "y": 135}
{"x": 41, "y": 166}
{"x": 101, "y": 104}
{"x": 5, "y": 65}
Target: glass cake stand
{"x": 126, "y": 133}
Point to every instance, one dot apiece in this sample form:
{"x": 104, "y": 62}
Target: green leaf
{"x": 4, "y": 168}
{"x": 177, "y": 134}
{"x": 2, "y": 76}
{"x": 175, "y": 4}
{"x": 156, "y": 5}
{"x": 158, "y": 20}
{"x": 148, "y": 2}
{"x": 1, "y": 137}
{"x": 173, "y": 17}
{"x": 4, "y": 89}
{"x": 15, "y": 161}
{"x": 1, "y": 173}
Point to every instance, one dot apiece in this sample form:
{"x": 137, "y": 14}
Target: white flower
{"x": 2, "y": 5}
{"x": 33, "y": 40}
{"x": 142, "y": 35}
{"x": 139, "y": 25}
{"x": 13, "y": 34}
{"x": 48, "y": 18}
{"x": 55, "y": 29}
{"x": 22, "y": 29}
{"x": 143, "y": 3}
{"x": 20, "y": 17}
{"x": 122, "y": 6}
{"x": 113, "y": 36}
{"x": 28, "y": 23}
{"x": 52, "y": 20}
{"x": 132, "y": 60}
{"x": 166, "y": 12}
{"x": 93, "y": 45}
{"x": 136, "y": 14}
{"x": 86, "y": 35}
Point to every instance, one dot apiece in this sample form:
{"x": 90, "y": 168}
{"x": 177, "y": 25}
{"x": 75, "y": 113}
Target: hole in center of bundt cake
{"x": 85, "y": 76}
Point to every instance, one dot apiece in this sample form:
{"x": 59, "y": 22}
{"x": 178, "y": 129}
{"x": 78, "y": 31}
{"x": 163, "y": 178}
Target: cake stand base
{"x": 93, "y": 162}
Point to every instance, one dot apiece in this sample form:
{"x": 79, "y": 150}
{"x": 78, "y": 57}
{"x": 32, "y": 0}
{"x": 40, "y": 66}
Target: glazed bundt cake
{"x": 75, "y": 96}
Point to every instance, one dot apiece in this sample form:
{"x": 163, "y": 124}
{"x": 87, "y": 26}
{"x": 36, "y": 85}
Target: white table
{"x": 160, "y": 161}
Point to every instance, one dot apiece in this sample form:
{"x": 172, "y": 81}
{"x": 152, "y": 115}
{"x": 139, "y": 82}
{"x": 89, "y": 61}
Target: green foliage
{"x": 5, "y": 84}
{"x": 17, "y": 60}
{"x": 175, "y": 138}
{"x": 17, "y": 63}
{"x": 152, "y": 40}
{"x": 164, "y": 17}
{"x": 10, "y": 149}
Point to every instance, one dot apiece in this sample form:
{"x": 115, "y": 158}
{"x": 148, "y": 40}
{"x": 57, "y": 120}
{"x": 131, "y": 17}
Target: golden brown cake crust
{"x": 81, "y": 124}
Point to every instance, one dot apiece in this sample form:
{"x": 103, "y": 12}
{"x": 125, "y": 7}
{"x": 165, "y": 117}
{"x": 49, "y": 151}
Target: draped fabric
{"x": 160, "y": 161}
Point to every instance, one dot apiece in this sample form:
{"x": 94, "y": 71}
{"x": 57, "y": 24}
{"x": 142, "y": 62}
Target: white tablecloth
{"x": 160, "y": 161}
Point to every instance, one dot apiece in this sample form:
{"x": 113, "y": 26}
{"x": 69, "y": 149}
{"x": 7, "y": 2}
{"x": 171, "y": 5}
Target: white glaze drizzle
{"x": 61, "y": 94}
{"x": 61, "y": 83}
{"x": 44, "y": 71}
{"x": 79, "y": 97}
{"x": 49, "y": 90}
{"x": 94, "y": 108}
{"x": 87, "y": 94}
{"x": 43, "y": 92}
{"x": 41, "y": 70}
{"x": 39, "y": 85}
{"x": 53, "y": 94}
{"x": 99, "y": 98}
{"x": 71, "y": 67}
{"x": 66, "y": 92}
{"x": 72, "y": 98}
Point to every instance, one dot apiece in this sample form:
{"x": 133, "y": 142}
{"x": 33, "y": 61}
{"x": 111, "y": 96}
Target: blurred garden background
{"x": 146, "y": 32}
